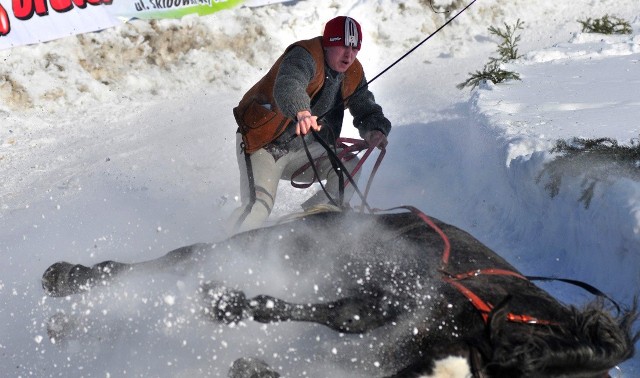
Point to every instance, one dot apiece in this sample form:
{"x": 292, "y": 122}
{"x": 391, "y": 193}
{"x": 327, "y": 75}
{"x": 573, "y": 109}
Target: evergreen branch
{"x": 507, "y": 50}
{"x": 606, "y": 25}
{"x": 596, "y": 160}
{"x": 507, "y": 47}
{"x": 492, "y": 72}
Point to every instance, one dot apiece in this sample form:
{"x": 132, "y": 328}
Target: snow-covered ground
{"x": 119, "y": 145}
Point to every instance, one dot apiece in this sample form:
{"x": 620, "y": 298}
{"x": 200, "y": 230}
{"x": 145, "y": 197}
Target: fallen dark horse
{"x": 429, "y": 290}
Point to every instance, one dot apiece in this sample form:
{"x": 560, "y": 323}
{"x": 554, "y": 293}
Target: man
{"x": 315, "y": 77}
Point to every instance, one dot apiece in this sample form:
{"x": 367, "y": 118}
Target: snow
{"x": 118, "y": 145}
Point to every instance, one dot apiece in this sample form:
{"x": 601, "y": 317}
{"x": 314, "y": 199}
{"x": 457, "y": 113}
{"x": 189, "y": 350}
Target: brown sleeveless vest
{"x": 257, "y": 115}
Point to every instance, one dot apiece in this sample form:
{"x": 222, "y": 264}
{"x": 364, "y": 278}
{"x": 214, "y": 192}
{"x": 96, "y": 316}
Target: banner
{"x": 31, "y": 21}
{"x": 173, "y": 8}
{"x": 25, "y": 22}
{"x": 178, "y": 8}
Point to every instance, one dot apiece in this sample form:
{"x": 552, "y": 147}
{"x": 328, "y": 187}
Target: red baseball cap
{"x": 342, "y": 31}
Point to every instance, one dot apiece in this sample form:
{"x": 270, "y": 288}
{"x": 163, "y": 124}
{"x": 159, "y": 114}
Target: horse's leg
{"x": 63, "y": 278}
{"x": 355, "y": 314}
{"x": 223, "y": 304}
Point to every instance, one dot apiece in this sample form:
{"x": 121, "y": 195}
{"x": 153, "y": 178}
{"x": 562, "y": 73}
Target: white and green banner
{"x": 25, "y": 22}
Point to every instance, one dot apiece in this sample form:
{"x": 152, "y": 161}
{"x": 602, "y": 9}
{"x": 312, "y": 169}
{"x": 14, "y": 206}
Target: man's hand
{"x": 306, "y": 122}
{"x": 376, "y": 138}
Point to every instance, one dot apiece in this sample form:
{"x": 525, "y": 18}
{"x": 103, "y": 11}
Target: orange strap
{"x": 454, "y": 280}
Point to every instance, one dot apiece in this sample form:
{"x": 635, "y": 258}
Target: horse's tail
{"x": 589, "y": 343}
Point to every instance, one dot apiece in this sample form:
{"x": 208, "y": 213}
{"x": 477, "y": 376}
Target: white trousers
{"x": 259, "y": 182}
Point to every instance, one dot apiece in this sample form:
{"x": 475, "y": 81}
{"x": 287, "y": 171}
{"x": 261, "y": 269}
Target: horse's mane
{"x": 591, "y": 340}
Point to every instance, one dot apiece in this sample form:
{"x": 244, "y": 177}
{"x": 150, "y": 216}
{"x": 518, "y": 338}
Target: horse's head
{"x": 587, "y": 343}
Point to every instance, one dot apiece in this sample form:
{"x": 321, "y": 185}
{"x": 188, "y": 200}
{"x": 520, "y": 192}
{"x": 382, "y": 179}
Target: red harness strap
{"x": 349, "y": 149}
{"x": 478, "y": 303}
{"x": 488, "y": 271}
{"x": 447, "y": 245}
{"x": 481, "y": 305}
{"x": 485, "y": 308}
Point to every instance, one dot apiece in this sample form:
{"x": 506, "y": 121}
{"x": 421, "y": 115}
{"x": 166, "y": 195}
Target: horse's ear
{"x": 498, "y": 316}
{"x": 629, "y": 318}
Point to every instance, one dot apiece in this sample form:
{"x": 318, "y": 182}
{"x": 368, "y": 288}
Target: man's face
{"x": 340, "y": 58}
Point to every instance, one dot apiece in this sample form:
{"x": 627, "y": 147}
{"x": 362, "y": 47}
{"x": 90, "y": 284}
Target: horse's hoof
{"x": 62, "y": 279}
{"x": 60, "y": 327}
{"x": 251, "y": 368}
{"x": 223, "y": 304}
